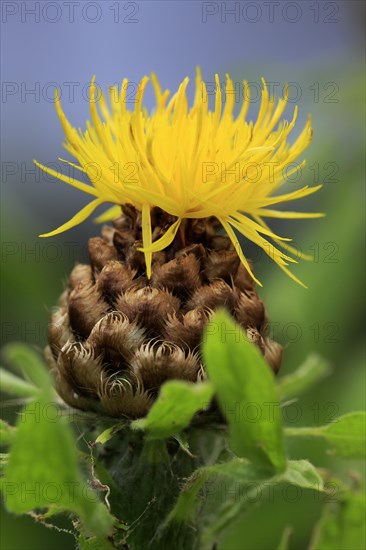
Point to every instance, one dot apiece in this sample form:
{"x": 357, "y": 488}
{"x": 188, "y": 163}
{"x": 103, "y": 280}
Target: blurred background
{"x": 318, "y": 47}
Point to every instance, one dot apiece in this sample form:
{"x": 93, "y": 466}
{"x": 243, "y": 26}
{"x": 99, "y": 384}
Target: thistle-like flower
{"x": 134, "y": 317}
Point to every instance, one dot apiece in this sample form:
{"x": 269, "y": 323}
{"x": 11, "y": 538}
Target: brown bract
{"x": 117, "y": 336}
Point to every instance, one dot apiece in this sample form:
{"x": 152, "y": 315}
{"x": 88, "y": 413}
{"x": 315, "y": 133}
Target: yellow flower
{"x": 190, "y": 162}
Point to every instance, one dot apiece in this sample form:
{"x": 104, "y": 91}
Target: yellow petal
{"x": 71, "y": 181}
{"x": 81, "y": 216}
{"x": 165, "y": 240}
{"x": 158, "y": 159}
{"x": 110, "y": 214}
{"x": 288, "y": 215}
{"x": 291, "y": 249}
{"x": 238, "y": 249}
{"x": 147, "y": 237}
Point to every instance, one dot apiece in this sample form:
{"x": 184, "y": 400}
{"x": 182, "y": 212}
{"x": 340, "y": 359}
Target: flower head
{"x": 190, "y": 162}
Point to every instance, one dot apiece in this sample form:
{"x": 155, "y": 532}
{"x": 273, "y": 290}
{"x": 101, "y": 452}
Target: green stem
{"x": 149, "y": 475}
{"x": 299, "y": 432}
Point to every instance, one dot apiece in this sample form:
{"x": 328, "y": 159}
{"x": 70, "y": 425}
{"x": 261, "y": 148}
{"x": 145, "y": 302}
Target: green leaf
{"x": 342, "y": 525}
{"x": 174, "y": 408}
{"x": 314, "y": 369}
{"x": 239, "y": 470}
{"x": 7, "y": 433}
{"x": 107, "y": 434}
{"x": 222, "y": 483}
{"x": 28, "y": 362}
{"x": 302, "y": 474}
{"x": 346, "y": 436}
{"x": 13, "y": 385}
{"x": 43, "y": 469}
{"x": 94, "y": 543}
{"x": 183, "y": 443}
{"x": 246, "y": 392}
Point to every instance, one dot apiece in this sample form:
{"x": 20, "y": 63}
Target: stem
{"x": 302, "y": 431}
{"x": 149, "y": 475}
